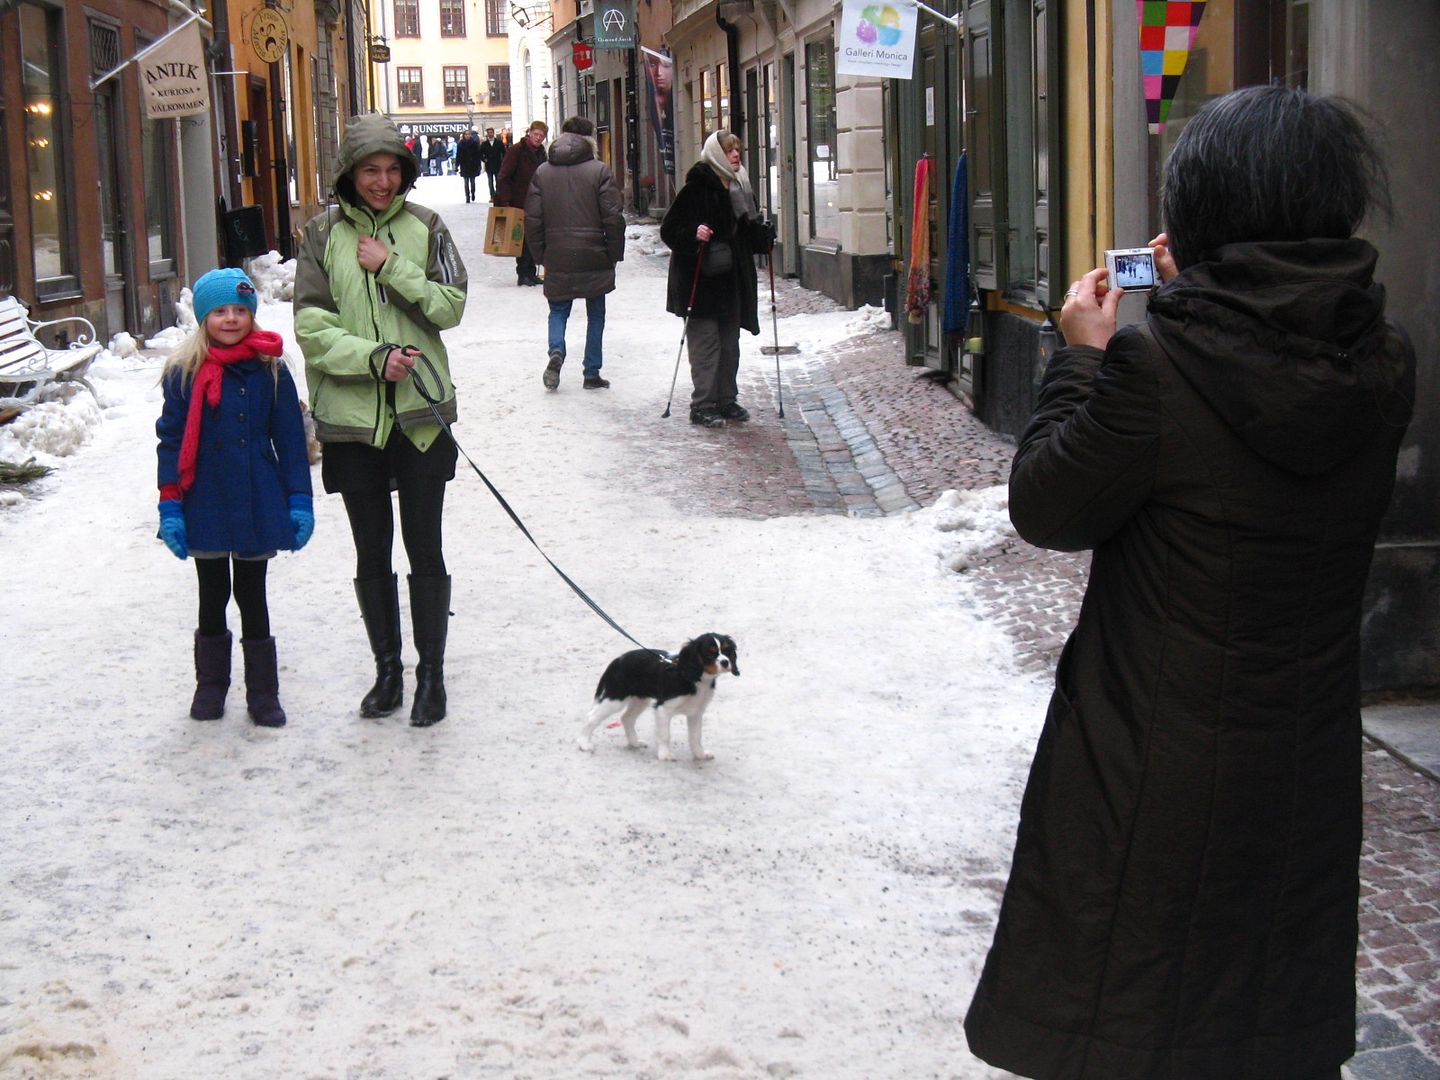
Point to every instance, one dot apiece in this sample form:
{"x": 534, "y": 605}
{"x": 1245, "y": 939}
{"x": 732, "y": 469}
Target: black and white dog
{"x": 681, "y": 684}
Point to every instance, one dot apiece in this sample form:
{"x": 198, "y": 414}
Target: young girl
{"x": 234, "y": 483}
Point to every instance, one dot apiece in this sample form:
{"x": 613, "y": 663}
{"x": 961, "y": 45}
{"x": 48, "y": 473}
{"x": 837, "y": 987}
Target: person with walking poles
{"x": 234, "y": 478}
{"x": 377, "y": 279}
{"x": 1183, "y": 897}
{"x": 469, "y": 159}
{"x": 714, "y": 231}
{"x": 576, "y": 230}
{"x": 492, "y": 155}
{"x": 513, "y": 185}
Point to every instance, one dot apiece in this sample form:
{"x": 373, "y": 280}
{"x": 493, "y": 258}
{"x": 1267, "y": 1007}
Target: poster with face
{"x": 660, "y": 81}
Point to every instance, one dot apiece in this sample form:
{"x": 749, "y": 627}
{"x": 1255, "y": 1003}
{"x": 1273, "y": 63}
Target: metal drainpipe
{"x": 732, "y": 53}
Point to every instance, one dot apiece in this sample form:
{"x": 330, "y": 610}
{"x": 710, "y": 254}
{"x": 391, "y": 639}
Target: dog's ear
{"x": 689, "y": 660}
{"x": 727, "y": 646}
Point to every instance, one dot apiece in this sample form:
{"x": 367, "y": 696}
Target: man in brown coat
{"x": 575, "y": 229}
{"x": 520, "y": 163}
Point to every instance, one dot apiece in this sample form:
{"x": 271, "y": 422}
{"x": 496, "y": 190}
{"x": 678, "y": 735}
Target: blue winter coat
{"x": 252, "y": 457}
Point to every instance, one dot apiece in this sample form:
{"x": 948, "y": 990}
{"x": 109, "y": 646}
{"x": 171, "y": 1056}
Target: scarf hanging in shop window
{"x": 917, "y": 281}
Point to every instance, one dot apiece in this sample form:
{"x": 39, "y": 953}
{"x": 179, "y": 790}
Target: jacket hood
{"x": 1287, "y": 341}
{"x": 572, "y": 149}
{"x": 366, "y": 134}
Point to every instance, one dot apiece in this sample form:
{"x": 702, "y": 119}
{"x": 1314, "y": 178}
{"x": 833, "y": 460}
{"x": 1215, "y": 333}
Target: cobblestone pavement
{"x": 864, "y": 434}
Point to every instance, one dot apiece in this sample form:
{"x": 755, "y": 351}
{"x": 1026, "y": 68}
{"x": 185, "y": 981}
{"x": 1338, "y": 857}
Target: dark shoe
{"x": 595, "y": 382}
{"x": 707, "y": 416}
{"x": 212, "y": 676}
{"x": 551, "y": 377}
{"x": 380, "y": 608}
{"x": 262, "y": 682}
{"x": 430, "y": 619}
{"x": 533, "y": 280}
{"x": 735, "y": 411}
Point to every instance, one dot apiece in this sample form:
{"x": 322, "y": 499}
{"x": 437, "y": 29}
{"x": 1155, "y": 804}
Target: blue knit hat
{"x": 224, "y": 286}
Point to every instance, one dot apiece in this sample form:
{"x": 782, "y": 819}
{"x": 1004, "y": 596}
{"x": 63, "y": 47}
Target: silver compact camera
{"x": 1132, "y": 269}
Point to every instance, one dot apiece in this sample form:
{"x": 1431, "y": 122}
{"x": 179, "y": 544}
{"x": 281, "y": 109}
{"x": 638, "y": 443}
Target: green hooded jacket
{"x": 347, "y": 319}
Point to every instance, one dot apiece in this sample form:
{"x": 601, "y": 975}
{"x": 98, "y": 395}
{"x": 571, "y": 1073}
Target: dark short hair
{"x": 579, "y": 125}
{"x": 1270, "y": 163}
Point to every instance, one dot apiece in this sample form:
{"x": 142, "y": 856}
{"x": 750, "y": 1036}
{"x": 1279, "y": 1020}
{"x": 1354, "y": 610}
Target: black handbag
{"x": 718, "y": 260}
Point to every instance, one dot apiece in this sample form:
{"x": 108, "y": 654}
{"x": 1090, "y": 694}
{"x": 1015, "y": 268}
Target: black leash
{"x": 432, "y": 400}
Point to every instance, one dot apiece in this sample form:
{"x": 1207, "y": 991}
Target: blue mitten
{"x": 302, "y": 517}
{"x": 172, "y": 527}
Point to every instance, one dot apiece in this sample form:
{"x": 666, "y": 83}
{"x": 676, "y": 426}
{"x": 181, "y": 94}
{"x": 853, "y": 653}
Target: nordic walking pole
{"x": 775, "y": 329}
{"x": 694, "y": 286}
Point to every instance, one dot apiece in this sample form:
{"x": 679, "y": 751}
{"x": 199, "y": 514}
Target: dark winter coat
{"x": 1182, "y": 900}
{"x": 468, "y": 156}
{"x": 492, "y": 154}
{"x": 251, "y": 458}
{"x": 516, "y": 172}
{"x": 704, "y": 200}
{"x": 573, "y": 221}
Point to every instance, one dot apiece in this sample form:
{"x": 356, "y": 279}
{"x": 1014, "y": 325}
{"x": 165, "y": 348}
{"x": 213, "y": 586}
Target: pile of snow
{"x": 970, "y": 523}
{"x": 867, "y": 319}
{"x": 643, "y": 238}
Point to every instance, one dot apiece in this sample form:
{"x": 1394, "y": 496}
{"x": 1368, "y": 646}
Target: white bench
{"x": 27, "y": 367}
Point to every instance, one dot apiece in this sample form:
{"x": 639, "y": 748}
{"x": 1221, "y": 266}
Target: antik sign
{"x": 877, "y": 37}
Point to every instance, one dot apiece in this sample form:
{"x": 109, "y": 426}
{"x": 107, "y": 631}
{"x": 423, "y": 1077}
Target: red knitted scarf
{"x": 206, "y": 390}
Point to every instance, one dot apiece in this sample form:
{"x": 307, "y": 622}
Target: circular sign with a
{"x": 269, "y": 36}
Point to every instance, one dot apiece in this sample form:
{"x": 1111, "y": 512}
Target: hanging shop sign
{"x": 877, "y": 37}
{"x": 173, "y": 75}
{"x": 1167, "y": 34}
{"x": 379, "y": 54}
{"x": 583, "y": 54}
{"x": 614, "y": 24}
{"x": 269, "y": 35}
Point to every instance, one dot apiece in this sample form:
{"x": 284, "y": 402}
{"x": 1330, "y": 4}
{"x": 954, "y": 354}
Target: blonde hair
{"x": 191, "y": 353}
{"x": 729, "y": 141}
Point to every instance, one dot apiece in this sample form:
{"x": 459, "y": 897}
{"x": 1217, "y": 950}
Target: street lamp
{"x": 545, "y": 102}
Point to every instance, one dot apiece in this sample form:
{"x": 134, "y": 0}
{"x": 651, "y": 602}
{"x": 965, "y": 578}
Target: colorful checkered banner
{"x": 173, "y": 76}
{"x": 1167, "y": 34}
{"x": 877, "y": 37}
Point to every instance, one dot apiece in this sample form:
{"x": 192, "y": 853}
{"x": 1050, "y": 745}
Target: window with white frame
{"x": 452, "y": 18}
{"x": 407, "y": 18}
{"x": 410, "y": 85}
{"x": 457, "y": 85}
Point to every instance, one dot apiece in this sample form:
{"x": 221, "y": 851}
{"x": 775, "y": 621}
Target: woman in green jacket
{"x": 377, "y": 279}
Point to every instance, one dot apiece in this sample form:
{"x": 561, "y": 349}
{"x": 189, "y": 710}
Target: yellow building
{"x": 448, "y": 68}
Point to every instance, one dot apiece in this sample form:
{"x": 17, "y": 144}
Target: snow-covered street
{"x": 356, "y": 898}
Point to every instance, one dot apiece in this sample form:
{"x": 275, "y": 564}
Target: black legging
{"x": 372, "y": 524}
{"x": 214, "y": 576}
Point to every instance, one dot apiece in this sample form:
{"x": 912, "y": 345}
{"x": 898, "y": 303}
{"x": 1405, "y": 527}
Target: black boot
{"x": 262, "y": 682}
{"x": 212, "y": 676}
{"x": 380, "y": 608}
{"x": 430, "y": 619}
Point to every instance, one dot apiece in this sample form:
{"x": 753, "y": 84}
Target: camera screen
{"x": 1135, "y": 270}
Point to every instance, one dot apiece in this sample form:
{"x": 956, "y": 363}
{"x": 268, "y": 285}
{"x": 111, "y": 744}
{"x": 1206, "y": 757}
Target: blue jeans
{"x": 594, "y": 330}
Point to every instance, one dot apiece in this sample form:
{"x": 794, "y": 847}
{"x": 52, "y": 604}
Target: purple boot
{"x": 212, "y": 676}
{"x": 262, "y": 682}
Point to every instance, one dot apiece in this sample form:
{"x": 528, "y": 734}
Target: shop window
{"x": 452, "y": 18}
{"x": 407, "y": 18}
{"x": 498, "y": 79}
{"x": 821, "y": 140}
{"x": 722, "y": 95}
{"x": 46, "y": 151}
{"x": 410, "y": 85}
{"x": 157, "y": 147}
{"x": 709, "y": 105}
{"x": 457, "y": 85}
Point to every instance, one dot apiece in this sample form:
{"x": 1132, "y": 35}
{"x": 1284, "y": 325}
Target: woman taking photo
{"x": 1182, "y": 903}
{"x": 714, "y": 216}
{"x": 375, "y": 283}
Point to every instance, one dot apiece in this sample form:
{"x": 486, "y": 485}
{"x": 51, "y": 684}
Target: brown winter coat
{"x": 573, "y": 221}
{"x": 1182, "y": 903}
{"x": 516, "y": 171}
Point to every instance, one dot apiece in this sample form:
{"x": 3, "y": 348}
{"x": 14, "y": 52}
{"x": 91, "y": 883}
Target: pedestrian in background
{"x": 492, "y": 151}
{"x": 714, "y": 215}
{"x": 469, "y": 159}
{"x": 513, "y": 185}
{"x": 576, "y": 230}
{"x": 376, "y": 281}
{"x": 234, "y": 474}
{"x": 1182, "y": 901}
